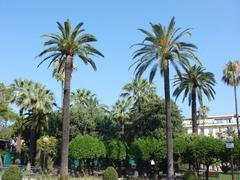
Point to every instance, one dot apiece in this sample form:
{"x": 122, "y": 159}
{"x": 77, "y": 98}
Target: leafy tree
{"x": 64, "y": 45}
{"x": 194, "y": 83}
{"x": 138, "y": 92}
{"x": 116, "y": 150}
{"x": 86, "y": 147}
{"x": 204, "y": 150}
{"x": 231, "y": 77}
{"x": 158, "y": 49}
{"x": 82, "y": 97}
{"x": 151, "y": 120}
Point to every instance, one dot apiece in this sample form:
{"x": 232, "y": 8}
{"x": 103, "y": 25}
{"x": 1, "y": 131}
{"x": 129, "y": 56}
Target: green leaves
{"x": 86, "y": 147}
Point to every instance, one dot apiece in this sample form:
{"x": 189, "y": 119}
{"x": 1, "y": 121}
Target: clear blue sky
{"x": 215, "y": 23}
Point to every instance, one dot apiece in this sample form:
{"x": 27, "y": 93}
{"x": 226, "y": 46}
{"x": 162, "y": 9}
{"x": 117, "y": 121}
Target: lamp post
{"x": 230, "y": 145}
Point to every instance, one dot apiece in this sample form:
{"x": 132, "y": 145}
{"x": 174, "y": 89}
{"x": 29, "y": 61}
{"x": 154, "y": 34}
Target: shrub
{"x": 110, "y": 174}
{"x": 12, "y": 173}
{"x": 189, "y": 175}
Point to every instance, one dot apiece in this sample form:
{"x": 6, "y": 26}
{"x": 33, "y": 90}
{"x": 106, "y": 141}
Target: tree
{"x": 138, "y": 92}
{"x": 231, "y": 77}
{"x": 116, "y": 150}
{"x": 194, "y": 83}
{"x": 82, "y": 97}
{"x": 37, "y": 101}
{"x": 159, "y": 48}
{"x": 64, "y": 45}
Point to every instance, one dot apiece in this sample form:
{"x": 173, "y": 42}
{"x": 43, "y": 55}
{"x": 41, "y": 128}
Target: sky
{"x": 215, "y": 30}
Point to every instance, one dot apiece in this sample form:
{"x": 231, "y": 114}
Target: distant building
{"x": 217, "y": 126}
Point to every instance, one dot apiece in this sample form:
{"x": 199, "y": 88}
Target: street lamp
{"x": 230, "y": 145}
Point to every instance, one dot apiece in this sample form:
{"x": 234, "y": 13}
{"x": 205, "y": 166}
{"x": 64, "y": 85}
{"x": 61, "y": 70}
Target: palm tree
{"x": 121, "y": 112}
{"x": 64, "y": 45}
{"x": 231, "y": 77}
{"x": 37, "y": 101}
{"x": 81, "y": 97}
{"x": 156, "y": 51}
{"x": 194, "y": 83}
{"x": 138, "y": 92}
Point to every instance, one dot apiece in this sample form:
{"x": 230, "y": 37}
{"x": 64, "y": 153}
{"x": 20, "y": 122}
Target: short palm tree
{"x": 121, "y": 112}
{"x": 159, "y": 48}
{"x": 64, "y": 45}
{"x": 231, "y": 77}
{"x": 81, "y": 97}
{"x": 138, "y": 92}
{"x": 37, "y": 101}
{"x": 194, "y": 83}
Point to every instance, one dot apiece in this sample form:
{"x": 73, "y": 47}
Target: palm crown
{"x": 161, "y": 46}
{"x": 71, "y": 42}
{"x": 231, "y": 73}
{"x": 195, "y": 79}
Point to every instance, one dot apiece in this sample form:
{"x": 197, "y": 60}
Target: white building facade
{"x": 216, "y": 126}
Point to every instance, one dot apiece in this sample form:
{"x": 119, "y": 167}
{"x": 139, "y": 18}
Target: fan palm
{"x": 231, "y": 77}
{"x": 37, "y": 101}
{"x": 194, "y": 83}
{"x": 121, "y": 112}
{"x": 138, "y": 92}
{"x": 64, "y": 45}
{"x": 81, "y": 97}
{"x": 156, "y": 51}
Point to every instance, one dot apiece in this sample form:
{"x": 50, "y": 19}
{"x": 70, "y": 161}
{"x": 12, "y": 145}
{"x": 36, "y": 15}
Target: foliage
{"x": 231, "y": 73}
{"x": 12, "y": 173}
{"x": 47, "y": 144}
{"x": 6, "y": 133}
{"x": 87, "y": 147}
{"x": 147, "y": 148}
{"x": 116, "y": 150}
{"x": 151, "y": 121}
{"x": 110, "y": 174}
{"x": 189, "y": 175}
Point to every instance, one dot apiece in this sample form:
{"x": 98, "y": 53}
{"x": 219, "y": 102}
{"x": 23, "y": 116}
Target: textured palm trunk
{"x": 19, "y": 136}
{"x": 32, "y": 146}
{"x": 66, "y": 118}
{"x": 168, "y": 123}
{"x": 194, "y": 112}
{"x": 236, "y": 110}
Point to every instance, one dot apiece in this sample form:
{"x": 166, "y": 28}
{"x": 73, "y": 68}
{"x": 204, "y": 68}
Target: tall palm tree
{"x": 158, "y": 48}
{"x": 194, "y": 83}
{"x": 64, "y": 45}
{"x": 231, "y": 77}
{"x": 138, "y": 92}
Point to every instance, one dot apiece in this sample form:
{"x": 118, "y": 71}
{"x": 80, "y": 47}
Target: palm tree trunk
{"x": 66, "y": 118}
{"x": 194, "y": 112}
{"x": 19, "y": 136}
{"x": 32, "y": 146}
{"x": 168, "y": 123}
{"x": 236, "y": 110}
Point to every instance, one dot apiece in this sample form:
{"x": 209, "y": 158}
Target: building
{"x": 216, "y": 126}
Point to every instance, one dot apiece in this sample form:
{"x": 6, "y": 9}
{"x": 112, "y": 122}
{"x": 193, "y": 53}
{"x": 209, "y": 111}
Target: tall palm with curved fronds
{"x": 159, "y": 48}
{"x": 64, "y": 45}
{"x": 231, "y": 77}
{"x": 138, "y": 92}
{"x": 81, "y": 97}
{"x": 194, "y": 83}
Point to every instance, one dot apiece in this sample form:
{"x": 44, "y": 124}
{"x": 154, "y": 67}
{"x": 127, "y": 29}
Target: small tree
{"x": 116, "y": 150}
{"x": 110, "y": 174}
{"x": 47, "y": 145}
{"x": 86, "y": 147}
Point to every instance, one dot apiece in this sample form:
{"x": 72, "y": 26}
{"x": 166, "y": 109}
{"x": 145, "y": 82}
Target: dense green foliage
{"x": 110, "y": 174}
{"x": 116, "y": 150}
{"x": 189, "y": 175}
{"x": 86, "y": 147}
{"x": 12, "y": 173}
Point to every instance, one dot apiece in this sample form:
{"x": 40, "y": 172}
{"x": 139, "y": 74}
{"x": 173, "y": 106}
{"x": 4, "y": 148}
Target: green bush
{"x": 110, "y": 174}
{"x": 189, "y": 175}
{"x": 12, "y": 173}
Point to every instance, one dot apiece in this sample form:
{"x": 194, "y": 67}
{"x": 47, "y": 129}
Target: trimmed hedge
{"x": 110, "y": 174}
{"x": 12, "y": 173}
